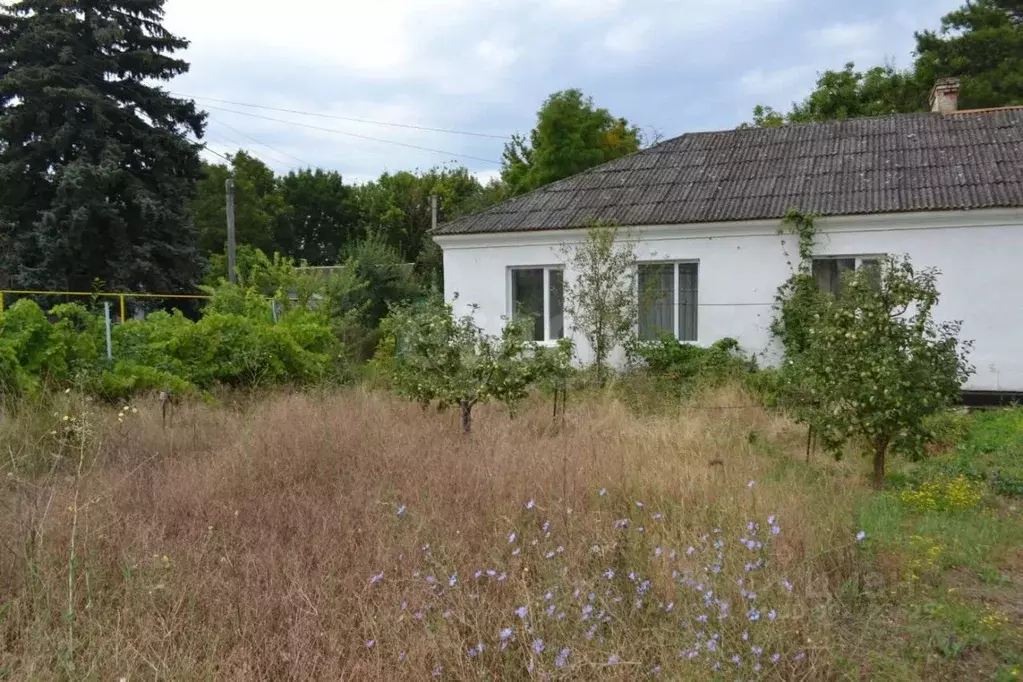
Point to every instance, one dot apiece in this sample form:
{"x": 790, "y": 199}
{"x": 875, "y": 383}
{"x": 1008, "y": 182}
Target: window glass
{"x": 656, "y": 300}
{"x": 527, "y": 299}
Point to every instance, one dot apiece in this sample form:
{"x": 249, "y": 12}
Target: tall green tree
{"x": 849, "y": 93}
{"x": 571, "y": 135}
{"x": 396, "y": 210}
{"x": 981, "y": 42}
{"x": 319, "y": 216}
{"x": 258, "y": 203}
{"x": 96, "y": 171}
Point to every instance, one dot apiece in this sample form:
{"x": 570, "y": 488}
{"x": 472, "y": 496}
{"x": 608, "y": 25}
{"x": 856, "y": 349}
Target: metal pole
{"x": 123, "y": 310}
{"x": 433, "y": 211}
{"x": 231, "y": 276}
{"x": 273, "y": 308}
{"x": 110, "y": 346}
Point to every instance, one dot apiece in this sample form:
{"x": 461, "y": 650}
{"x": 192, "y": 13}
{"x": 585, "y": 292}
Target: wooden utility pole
{"x": 231, "y": 276}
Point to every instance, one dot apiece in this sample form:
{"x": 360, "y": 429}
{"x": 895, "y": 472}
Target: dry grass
{"x": 241, "y": 543}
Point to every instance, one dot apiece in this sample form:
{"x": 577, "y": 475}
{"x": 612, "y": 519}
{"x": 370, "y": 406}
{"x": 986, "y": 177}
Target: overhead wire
{"x": 410, "y": 126}
{"x": 456, "y": 155}
{"x": 260, "y": 143}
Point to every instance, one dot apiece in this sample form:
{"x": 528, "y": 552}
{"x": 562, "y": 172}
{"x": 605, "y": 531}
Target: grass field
{"x": 354, "y": 536}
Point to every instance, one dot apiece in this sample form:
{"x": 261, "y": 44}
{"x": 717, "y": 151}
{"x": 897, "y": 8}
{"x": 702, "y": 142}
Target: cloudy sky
{"x": 485, "y": 66}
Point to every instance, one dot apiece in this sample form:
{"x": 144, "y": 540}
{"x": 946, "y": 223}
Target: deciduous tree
{"x": 571, "y": 135}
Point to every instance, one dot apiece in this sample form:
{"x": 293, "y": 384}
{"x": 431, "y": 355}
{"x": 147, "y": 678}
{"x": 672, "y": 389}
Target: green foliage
{"x": 683, "y": 364}
{"x": 601, "y": 301}
{"x": 257, "y": 204}
{"x": 319, "y": 216}
{"x": 571, "y": 135}
{"x": 982, "y": 43}
{"x": 877, "y": 365}
{"x": 451, "y": 361}
{"x": 97, "y": 169}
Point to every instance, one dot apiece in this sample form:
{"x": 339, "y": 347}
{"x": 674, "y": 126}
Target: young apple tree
{"x": 451, "y": 361}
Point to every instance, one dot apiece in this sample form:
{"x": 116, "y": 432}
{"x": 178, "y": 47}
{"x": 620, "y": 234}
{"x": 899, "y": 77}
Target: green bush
{"x": 235, "y": 343}
{"x": 685, "y": 364}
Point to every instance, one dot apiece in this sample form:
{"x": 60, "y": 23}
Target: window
{"x": 827, "y": 272}
{"x": 539, "y": 294}
{"x": 668, "y": 300}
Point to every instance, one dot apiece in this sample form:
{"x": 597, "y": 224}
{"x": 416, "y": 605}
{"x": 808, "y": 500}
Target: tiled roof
{"x": 906, "y": 162}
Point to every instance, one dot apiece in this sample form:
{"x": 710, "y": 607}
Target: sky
{"x": 485, "y": 67}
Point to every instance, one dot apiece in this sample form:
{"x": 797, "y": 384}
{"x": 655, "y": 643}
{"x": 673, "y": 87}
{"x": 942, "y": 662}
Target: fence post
{"x": 1, "y": 301}
{"x": 123, "y": 318}
{"x": 110, "y": 349}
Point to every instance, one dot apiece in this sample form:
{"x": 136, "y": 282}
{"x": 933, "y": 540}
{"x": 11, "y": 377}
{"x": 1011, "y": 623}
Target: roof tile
{"x": 907, "y": 162}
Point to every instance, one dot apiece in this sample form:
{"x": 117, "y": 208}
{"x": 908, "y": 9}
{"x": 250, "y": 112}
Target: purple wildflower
{"x": 690, "y": 551}
{"x": 736, "y": 659}
{"x": 745, "y": 636}
{"x": 370, "y": 643}
{"x": 401, "y": 509}
{"x": 530, "y": 504}
{"x": 561, "y": 658}
{"x": 756, "y": 667}
{"x": 639, "y": 504}
{"x": 772, "y": 615}
{"x": 550, "y": 610}
{"x": 453, "y": 580}
{"x": 609, "y": 573}
{"x": 771, "y": 519}
{"x": 757, "y": 650}
{"x": 787, "y": 584}
{"x": 511, "y": 538}
{"x": 775, "y": 658}
{"x": 505, "y": 634}
{"x": 612, "y": 659}
{"x": 521, "y": 611}
{"x": 753, "y": 615}
{"x": 377, "y": 578}
{"x": 587, "y": 610}
{"x": 775, "y": 530}
{"x": 799, "y": 657}
{"x": 712, "y": 645}
{"x": 437, "y": 671}
{"x": 861, "y": 536}
{"x": 430, "y": 579}
{"x": 658, "y": 516}
{"x": 751, "y": 484}
{"x": 538, "y": 646}
{"x": 603, "y": 491}
{"x": 401, "y": 656}
{"x": 658, "y": 551}
{"x": 501, "y": 578}
{"x": 622, "y": 523}
{"x": 516, "y": 551}
{"x": 546, "y": 526}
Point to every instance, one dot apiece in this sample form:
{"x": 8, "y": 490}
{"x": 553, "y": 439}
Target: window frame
{"x": 676, "y": 284}
{"x": 546, "y": 321}
{"x": 858, "y": 261}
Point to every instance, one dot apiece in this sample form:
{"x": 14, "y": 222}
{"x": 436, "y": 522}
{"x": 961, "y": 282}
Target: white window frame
{"x": 546, "y": 297}
{"x": 676, "y": 323}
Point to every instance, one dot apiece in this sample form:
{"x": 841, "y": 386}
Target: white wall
{"x": 979, "y": 253}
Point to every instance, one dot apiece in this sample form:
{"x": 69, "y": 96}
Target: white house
{"x": 945, "y": 187}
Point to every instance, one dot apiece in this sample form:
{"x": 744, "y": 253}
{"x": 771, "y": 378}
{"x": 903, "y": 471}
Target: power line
{"x": 262, "y": 144}
{"x": 207, "y": 148}
{"x": 409, "y": 126}
{"x": 356, "y": 135}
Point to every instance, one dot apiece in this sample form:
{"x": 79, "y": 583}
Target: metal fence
{"x": 122, "y": 298}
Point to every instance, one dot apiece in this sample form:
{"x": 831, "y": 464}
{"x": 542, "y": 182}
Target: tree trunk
{"x": 880, "y": 448}
{"x": 466, "y": 408}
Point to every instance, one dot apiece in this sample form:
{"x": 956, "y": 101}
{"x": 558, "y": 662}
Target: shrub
{"x": 684, "y": 363}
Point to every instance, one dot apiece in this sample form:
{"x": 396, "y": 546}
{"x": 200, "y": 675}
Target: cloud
{"x": 485, "y": 66}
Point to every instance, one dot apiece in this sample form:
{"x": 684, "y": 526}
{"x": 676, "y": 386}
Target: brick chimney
{"x": 945, "y": 95}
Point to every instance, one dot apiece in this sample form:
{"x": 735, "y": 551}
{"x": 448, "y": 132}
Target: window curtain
{"x": 688, "y": 301}
{"x": 656, "y": 301}
{"x": 527, "y": 299}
